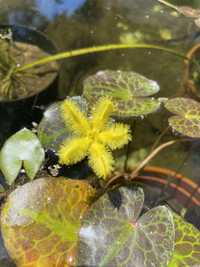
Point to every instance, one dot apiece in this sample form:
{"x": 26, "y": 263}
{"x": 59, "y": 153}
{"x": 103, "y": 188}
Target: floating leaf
{"x": 52, "y": 130}
{"x": 112, "y": 235}
{"x": 187, "y": 244}
{"x": 129, "y": 91}
{"x": 41, "y": 219}
{"x": 187, "y": 118}
{"x": 22, "y": 149}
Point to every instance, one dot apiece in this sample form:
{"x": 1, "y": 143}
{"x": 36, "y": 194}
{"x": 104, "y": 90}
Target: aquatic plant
{"x": 187, "y": 116}
{"x": 8, "y": 76}
{"x": 52, "y": 221}
{"x": 94, "y": 137}
{"x": 187, "y": 244}
{"x": 129, "y": 91}
{"x": 16, "y": 85}
{"x": 23, "y": 149}
{"x": 40, "y": 221}
{"x": 118, "y": 236}
{"x": 15, "y": 73}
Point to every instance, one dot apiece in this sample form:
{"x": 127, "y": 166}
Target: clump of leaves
{"x": 187, "y": 116}
{"x": 93, "y": 137}
{"x": 40, "y": 221}
{"x": 129, "y": 91}
{"x": 51, "y": 222}
{"x": 23, "y": 149}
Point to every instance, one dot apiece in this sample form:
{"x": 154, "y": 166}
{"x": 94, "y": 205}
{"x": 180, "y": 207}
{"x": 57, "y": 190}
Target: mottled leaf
{"x": 185, "y": 107}
{"x": 52, "y": 130}
{"x": 112, "y": 235}
{"x": 41, "y": 219}
{"x": 129, "y": 91}
{"x": 22, "y": 149}
{"x": 137, "y": 107}
{"x": 187, "y": 118}
{"x": 187, "y": 244}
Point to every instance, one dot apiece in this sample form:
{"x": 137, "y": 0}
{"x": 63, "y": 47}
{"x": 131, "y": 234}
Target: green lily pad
{"x": 187, "y": 244}
{"x": 113, "y": 235}
{"x": 22, "y": 149}
{"x": 40, "y": 221}
{"x": 52, "y": 130}
{"x": 187, "y": 116}
{"x": 129, "y": 90}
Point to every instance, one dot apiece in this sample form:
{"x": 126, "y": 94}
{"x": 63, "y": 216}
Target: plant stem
{"x": 96, "y": 49}
{"x": 129, "y": 177}
{"x": 168, "y": 4}
{"x": 156, "y": 143}
{"x": 152, "y": 155}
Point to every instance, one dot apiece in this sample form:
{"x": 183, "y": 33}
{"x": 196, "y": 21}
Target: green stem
{"x": 95, "y": 49}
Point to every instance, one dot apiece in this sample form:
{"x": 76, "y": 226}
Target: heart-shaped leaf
{"x": 112, "y": 235}
{"x": 129, "y": 91}
{"x": 52, "y": 130}
{"x": 187, "y": 116}
{"x": 187, "y": 244}
{"x": 22, "y": 149}
{"x": 41, "y": 219}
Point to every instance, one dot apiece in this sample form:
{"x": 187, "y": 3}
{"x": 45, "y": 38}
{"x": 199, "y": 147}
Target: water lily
{"x": 93, "y": 137}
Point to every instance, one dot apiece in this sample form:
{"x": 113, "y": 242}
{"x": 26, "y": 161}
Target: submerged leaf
{"x": 128, "y": 90}
{"x": 22, "y": 149}
{"x": 40, "y": 221}
{"x": 114, "y": 236}
{"x": 187, "y": 244}
{"x": 187, "y": 118}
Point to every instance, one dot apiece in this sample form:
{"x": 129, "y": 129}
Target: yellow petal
{"x": 74, "y": 117}
{"x": 101, "y": 113}
{"x": 116, "y": 136}
{"x": 100, "y": 160}
{"x": 73, "y": 150}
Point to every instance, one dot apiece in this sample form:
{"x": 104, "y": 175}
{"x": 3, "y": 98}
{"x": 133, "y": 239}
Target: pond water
{"x": 73, "y": 24}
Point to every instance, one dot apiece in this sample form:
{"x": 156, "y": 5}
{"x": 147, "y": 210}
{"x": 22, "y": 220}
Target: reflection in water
{"x": 22, "y": 16}
{"x": 53, "y": 8}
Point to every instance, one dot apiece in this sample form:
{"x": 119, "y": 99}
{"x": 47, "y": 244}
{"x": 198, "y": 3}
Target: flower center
{"x": 93, "y": 134}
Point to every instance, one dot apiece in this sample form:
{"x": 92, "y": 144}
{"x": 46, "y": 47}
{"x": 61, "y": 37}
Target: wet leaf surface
{"x": 52, "y": 130}
{"x": 22, "y": 149}
{"x": 129, "y": 91}
{"x": 113, "y": 235}
{"x": 41, "y": 220}
{"x": 187, "y": 244}
{"x": 187, "y": 116}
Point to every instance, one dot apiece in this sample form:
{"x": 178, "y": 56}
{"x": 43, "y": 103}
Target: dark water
{"x": 73, "y": 24}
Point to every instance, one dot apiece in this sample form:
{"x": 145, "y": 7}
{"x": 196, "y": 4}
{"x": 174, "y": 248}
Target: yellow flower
{"x": 93, "y": 137}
